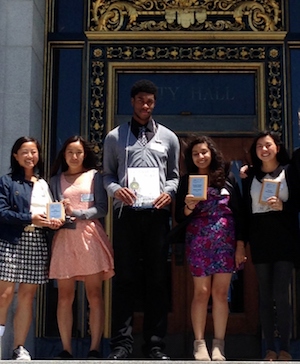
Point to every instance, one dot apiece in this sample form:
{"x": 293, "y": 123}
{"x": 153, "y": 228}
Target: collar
{"x": 260, "y": 174}
{"x": 19, "y": 175}
{"x": 150, "y": 128}
{"x": 136, "y": 125}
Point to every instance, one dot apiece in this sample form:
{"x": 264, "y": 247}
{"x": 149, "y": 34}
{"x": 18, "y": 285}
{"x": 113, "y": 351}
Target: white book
{"x": 144, "y": 182}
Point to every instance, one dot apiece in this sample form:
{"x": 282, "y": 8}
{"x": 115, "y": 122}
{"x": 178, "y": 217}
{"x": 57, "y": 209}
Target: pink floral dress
{"x": 85, "y": 250}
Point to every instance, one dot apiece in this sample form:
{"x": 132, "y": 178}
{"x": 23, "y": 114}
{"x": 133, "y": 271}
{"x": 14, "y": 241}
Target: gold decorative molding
{"x": 294, "y": 44}
{"x": 274, "y": 82}
{"x": 180, "y": 15}
{"x": 97, "y": 105}
{"x": 184, "y": 36}
{"x": 188, "y": 53}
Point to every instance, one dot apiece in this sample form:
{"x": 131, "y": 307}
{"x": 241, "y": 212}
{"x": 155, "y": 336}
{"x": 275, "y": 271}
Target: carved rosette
{"x": 171, "y": 15}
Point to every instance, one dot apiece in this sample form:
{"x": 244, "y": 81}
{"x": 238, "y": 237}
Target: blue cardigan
{"x": 98, "y": 210}
{"x": 15, "y": 199}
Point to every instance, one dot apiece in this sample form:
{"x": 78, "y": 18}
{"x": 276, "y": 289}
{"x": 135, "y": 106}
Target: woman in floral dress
{"x": 214, "y": 242}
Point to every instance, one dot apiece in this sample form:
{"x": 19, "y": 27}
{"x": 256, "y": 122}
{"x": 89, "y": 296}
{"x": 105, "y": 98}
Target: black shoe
{"x": 64, "y": 355}
{"x": 156, "y": 353}
{"x": 93, "y": 354}
{"x": 118, "y": 353}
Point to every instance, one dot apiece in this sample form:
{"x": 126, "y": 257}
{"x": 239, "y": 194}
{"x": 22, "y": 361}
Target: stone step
{"x": 79, "y": 361}
{"x": 239, "y": 349}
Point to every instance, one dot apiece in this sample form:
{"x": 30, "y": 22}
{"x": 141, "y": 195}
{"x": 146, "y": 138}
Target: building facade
{"x": 224, "y": 68}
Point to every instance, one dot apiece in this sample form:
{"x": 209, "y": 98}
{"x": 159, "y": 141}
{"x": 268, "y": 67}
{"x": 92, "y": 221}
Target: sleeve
{"x": 237, "y": 207}
{"x": 295, "y": 163}
{"x": 292, "y": 205}
{"x": 55, "y": 188}
{"x": 179, "y": 200}
{"x": 9, "y": 213}
{"x": 110, "y": 165}
{"x": 100, "y": 207}
{"x": 173, "y": 168}
{"x": 247, "y": 203}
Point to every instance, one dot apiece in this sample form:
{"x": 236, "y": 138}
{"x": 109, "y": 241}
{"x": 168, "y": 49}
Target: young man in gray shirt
{"x": 140, "y": 228}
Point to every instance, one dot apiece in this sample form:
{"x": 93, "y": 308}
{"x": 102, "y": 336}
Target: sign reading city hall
{"x": 197, "y": 101}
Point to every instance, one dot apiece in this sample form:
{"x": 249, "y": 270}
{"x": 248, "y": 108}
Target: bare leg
{"x": 202, "y": 287}
{"x": 23, "y": 315}
{"x": 66, "y": 294}
{"x": 6, "y": 297}
{"x": 93, "y": 286}
{"x": 220, "y": 310}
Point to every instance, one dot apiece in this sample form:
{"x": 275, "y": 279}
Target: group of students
{"x": 217, "y": 230}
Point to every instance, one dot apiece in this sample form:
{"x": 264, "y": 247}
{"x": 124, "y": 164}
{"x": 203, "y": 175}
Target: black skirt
{"x": 274, "y": 237}
{"x": 27, "y": 261}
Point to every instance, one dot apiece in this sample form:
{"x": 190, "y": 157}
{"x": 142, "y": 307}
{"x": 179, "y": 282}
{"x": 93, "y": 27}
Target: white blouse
{"x": 41, "y": 195}
{"x": 256, "y": 188}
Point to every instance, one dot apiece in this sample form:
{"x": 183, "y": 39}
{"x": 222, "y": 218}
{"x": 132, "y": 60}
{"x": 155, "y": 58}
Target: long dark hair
{"x": 217, "y": 165}
{"x": 282, "y": 156}
{"x": 15, "y": 167}
{"x": 89, "y": 161}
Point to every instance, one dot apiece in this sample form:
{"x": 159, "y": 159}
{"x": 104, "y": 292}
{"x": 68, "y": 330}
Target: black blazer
{"x": 291, "y": 207}
{"x": 273, "y": 235}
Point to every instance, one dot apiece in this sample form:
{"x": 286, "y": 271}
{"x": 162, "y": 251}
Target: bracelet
{"x": 187, "y": 206}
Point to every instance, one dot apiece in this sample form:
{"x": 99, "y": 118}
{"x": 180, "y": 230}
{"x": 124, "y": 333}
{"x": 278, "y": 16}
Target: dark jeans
{"x": 140, "y": 236}
{"x": 274, "y": 280}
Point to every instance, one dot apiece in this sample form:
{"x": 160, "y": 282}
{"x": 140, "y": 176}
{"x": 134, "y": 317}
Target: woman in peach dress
{"x": 80, "y": 250}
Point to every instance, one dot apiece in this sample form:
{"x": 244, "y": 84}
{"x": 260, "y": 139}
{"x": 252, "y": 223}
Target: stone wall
{"x": 22, "y": 32}
{"x": 21, "y": 72}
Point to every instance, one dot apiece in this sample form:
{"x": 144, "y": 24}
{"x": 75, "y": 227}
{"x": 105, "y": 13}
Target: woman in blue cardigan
{"x": 23, "y": 245}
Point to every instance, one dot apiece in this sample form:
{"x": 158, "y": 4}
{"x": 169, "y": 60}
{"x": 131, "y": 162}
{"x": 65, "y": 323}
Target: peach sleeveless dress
{"x": 85, "y": 250}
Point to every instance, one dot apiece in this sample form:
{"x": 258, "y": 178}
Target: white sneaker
{"x": 20, "y": 353}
